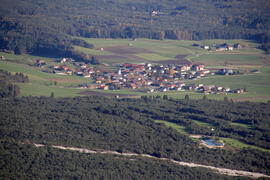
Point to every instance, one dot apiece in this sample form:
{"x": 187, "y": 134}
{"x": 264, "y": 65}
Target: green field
{"x": 167, "y": 49}
{"x": 153, "y": 57}
{"x": 229, "y": 142}
{"x": 232, "y": 59}
{"x": 203, "y": 124}
{"x": 241, "y": 124}
{"x": 239, "y": 145}
{"x": 91, "y": 51}
{"x": 249, "y": 58}
{"x": 42, "y": 84}
{"x": 180, "y": 129}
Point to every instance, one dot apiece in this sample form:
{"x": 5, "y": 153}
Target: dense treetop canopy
{"x": 44, "y": 27}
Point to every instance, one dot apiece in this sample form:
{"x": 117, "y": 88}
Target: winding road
{"x": 229, "y": 172}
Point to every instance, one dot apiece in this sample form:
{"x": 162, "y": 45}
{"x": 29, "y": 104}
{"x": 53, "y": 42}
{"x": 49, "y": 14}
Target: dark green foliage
{"x": 45, "y": 27}
{"x": 82, "y": 43}
{"x": 266, "y": 42}
{"x": 127, "y": 125}
{"x": 24, "y": 161}
{"x": 7, "y": 89}
{"x": 94, "y": 60}
{"x": 18, "y": 77}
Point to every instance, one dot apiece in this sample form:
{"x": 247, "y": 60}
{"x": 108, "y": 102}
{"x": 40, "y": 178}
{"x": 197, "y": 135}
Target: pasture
{"x": 156, "y": 51}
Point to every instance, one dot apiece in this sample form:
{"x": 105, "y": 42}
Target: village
{"x": 143, "y": 77}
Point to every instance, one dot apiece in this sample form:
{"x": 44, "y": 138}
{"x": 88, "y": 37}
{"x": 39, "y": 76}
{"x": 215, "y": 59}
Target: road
{"x": 229, "y": 172}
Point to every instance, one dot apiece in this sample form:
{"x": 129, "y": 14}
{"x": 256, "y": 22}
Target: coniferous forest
{"x": 128, "y": 125}
{"x": 45, "y": 27}
{"x": 157, "y": 126}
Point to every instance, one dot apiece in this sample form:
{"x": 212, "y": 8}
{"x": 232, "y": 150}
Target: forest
{"x": 47, "y": 27}
{"x": 128, "y": 125}
{"x": 7, "y": 80}
{"x": 24, "y": 161}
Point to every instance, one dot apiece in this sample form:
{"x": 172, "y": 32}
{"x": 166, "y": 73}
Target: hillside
{"x": 136, "y": 126}
{"x": 44, "y": 27}
{"x": 24, "y": 161}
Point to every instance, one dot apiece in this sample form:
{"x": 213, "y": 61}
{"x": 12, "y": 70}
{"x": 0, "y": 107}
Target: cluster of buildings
{"x": 144, "y": 77}
{"x": 147, "y": 77}
{"x": 154, "y": 78}
{"x": 222, "y": 47}
{"x": 68, "y": 66}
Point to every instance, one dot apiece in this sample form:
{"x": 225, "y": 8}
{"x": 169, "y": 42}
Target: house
{"x": 63, "y": 60}
{"x": 56, "y": 67}
{"x": 105, "y": 88}
{"x": 238, "y": 46}
{"x": 198, "y": 67}
{"x": 151, "y": 90}
{"x": 230, "y": 48}
{"x": 69, "y": 72}
{"x": 92, "y": 86}
{"x": 79, "y": 73}
{"x": 226, "y": 89}
{"x": 133, "y": 85}
{"x": 206, "y": 47}
{"x": 153, "y": 13}
{"x": 163, "y": 89}
{"x": 225, "y": 72}
{"x": 219, "y": 88}
{"x": 238, "y": 91}
{"x": 40, "y": 63}
{"x": 64, "y": 68}
{"x": 86, "y": 75}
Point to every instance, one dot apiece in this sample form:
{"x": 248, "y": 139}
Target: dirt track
{"x": 94, "y": 93}
{"x": 229, "y": 172}
{"x": 126, "y": 50}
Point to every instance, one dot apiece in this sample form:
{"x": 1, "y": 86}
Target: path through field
{"x": 229, "y": 172}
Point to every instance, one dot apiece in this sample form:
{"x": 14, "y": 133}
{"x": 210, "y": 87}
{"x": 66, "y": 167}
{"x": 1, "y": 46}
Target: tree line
{"x": 7, "y": 88}
{"x": 24, "y": 161}
{"x": 46, "y": 28}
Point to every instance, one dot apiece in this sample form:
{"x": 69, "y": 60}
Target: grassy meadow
{"x": 229, "y": 142}
{"x": 155, "y": 51}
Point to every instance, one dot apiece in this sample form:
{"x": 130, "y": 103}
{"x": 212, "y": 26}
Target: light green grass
{"x": 180, "y": 129}
{"x": 37, "y": 76}
{"x": 10, "y": 56}
{"x": 256, "y": 84}
{"x": 239, "y": 145}
{"x": 203, "y": 124}
{"x": 91, "y": 51}
{"x": 221, "y": 59}
{"x": 24, "y": 58}
{"x": 29, "y": 89}
{"x": 241, "y": 125}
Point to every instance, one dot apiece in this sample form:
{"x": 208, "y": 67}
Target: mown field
{"x": 112, "y": 51}
{"x": 229, "y": 142}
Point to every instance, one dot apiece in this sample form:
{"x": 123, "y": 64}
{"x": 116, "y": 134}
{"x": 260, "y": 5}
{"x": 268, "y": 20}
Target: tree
{"x": 204, "y": 98}
{"x": 52, "y": 95}
{"x": 226, "y": 99}
{"x": 94, "y": 60}
{"x": 165, "y": 97}
{"x": 187, "y": 97}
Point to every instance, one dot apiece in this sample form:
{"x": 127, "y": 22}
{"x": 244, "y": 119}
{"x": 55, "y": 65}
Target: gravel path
{"x": 229, "y": 172}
